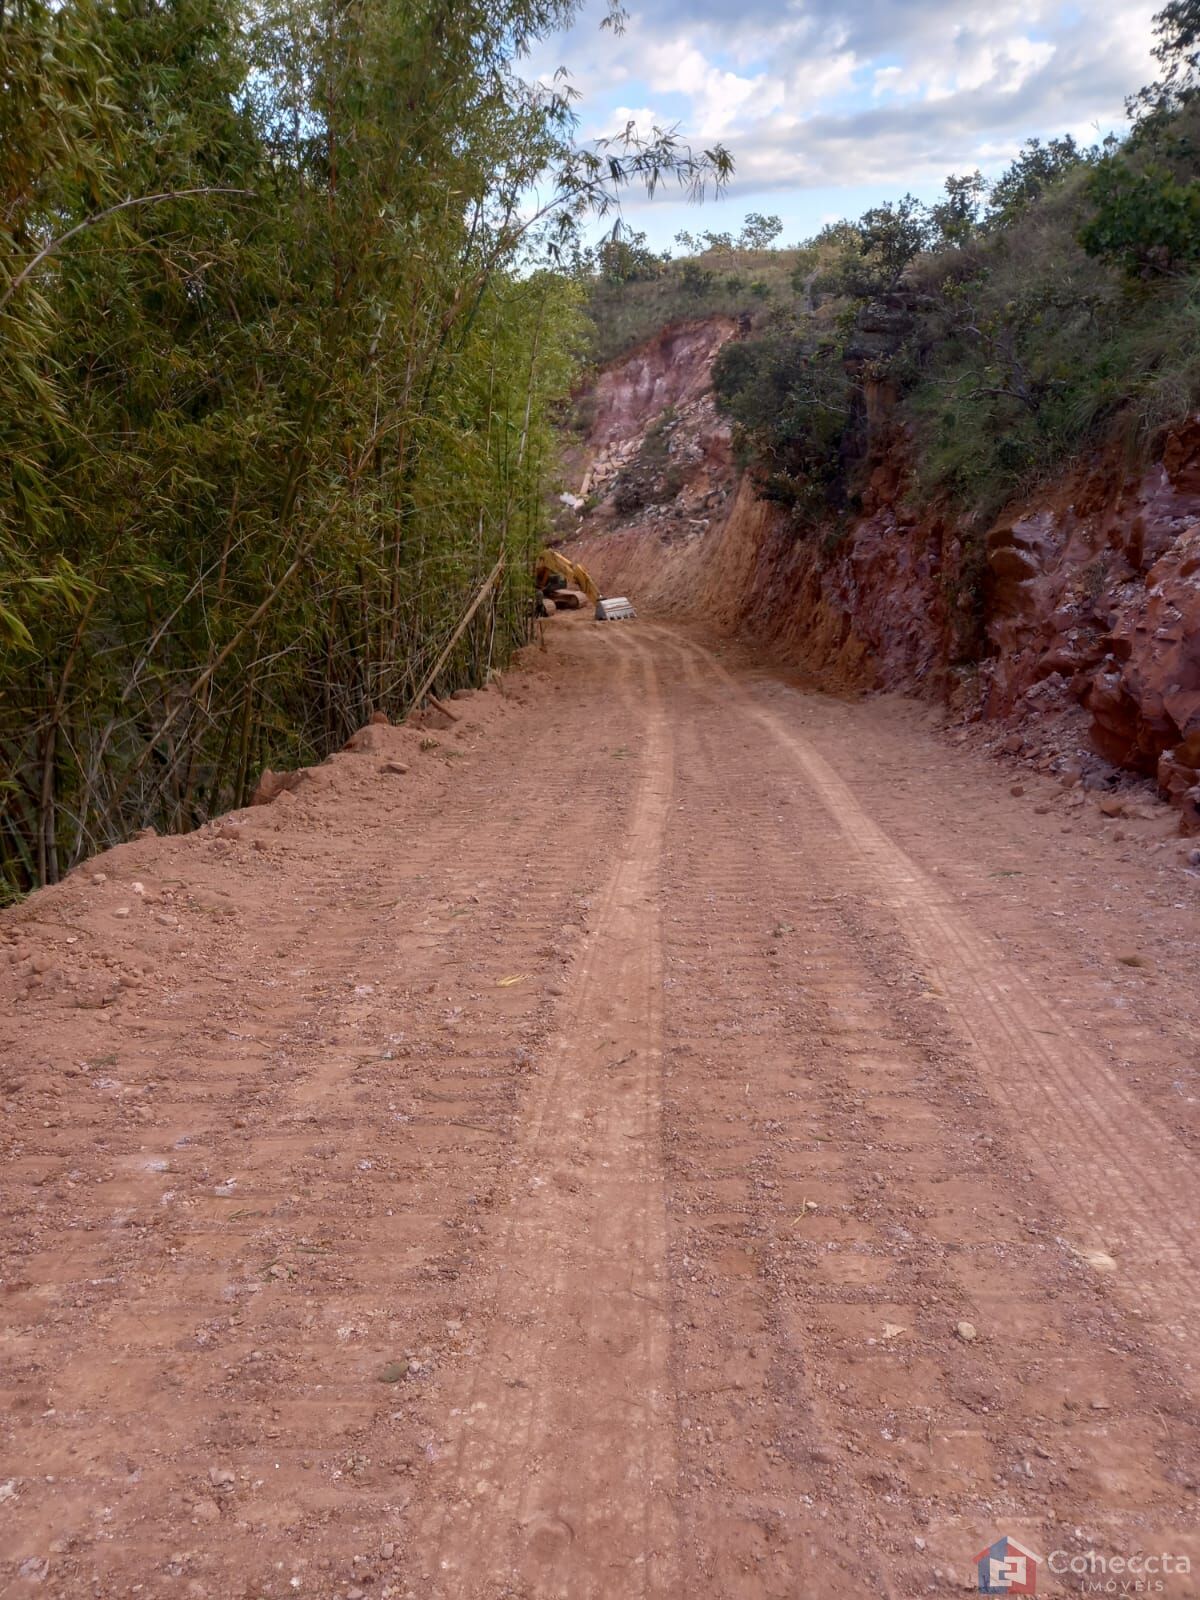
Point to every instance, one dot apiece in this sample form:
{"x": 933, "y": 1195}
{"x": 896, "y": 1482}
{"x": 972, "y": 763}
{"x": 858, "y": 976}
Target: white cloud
{"x": 848, "y": 93}
{"x": 615, "y": 121}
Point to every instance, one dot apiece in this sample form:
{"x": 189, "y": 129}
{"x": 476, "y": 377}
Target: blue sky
{"x": 830, "y": 106}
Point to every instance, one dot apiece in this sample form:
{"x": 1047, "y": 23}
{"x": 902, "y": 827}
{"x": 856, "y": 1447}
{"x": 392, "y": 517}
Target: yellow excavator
{"x": 557, "y": 579}
{"x": 554, "y": 577}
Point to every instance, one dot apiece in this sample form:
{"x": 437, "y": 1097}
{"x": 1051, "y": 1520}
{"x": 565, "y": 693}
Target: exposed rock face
{"x": 670, "y": 370}
{"x": 1146, "y": 697}
{"x": 657, "y": 448}
{"x": 1086, "y": 596}
{"x": 1102, "y": 586}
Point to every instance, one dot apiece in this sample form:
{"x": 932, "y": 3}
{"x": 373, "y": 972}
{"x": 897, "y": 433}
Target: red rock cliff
{"x": 1086, "y": 596}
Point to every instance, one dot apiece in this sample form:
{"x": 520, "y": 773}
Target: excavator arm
{"x": 552, "y": 563}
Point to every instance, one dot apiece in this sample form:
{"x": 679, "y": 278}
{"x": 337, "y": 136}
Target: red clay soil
{"x": 685, "y": 1136}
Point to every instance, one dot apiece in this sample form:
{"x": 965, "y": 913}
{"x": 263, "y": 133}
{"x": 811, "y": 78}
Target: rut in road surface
{"x": 579, "y": 1327}
{"x": 565, "y": 1169}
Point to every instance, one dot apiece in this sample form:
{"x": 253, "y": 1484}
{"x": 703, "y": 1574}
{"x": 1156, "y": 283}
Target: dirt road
{"x": 684, "y": 1136}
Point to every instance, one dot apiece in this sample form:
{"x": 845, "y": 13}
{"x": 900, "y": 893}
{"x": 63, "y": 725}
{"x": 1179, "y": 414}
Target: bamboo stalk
{"x": 431, "y": 676}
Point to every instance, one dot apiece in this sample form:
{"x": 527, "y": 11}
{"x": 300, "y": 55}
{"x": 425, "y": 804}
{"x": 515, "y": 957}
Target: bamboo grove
{"x": 280, "y": 346}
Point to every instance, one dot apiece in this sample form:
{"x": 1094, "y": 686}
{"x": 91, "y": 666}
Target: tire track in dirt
{"x": 838, "y": 1206}
{"x": 1105, "y": 1154}
{"x": 301, "y": 1210}
{"x": 604, "y": 1112}
{"x": 559, "y": 1470}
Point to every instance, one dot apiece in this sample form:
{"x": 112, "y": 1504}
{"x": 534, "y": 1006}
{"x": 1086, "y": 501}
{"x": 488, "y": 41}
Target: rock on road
{"x": 684, "y": 1136}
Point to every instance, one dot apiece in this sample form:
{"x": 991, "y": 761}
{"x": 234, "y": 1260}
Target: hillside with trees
{"x": 948, "y": 448}
{"x": 1016, "y": 322}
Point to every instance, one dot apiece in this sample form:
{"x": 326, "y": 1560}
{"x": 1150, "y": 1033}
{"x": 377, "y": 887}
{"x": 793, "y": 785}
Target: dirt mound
{"x": 119, "y": 924}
